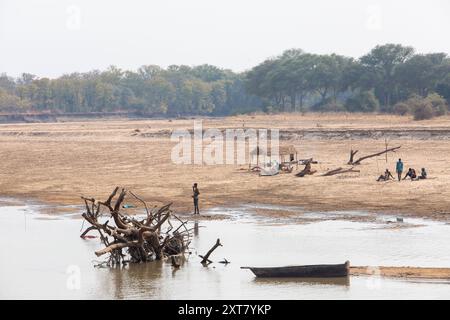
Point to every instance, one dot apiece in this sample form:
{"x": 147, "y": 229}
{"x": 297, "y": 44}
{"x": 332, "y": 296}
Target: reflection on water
{"x": 196, "y": 228}
{"x": 342, "y": 281}
{"x": 45, "y": 258}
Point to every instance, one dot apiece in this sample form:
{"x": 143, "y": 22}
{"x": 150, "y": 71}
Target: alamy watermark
{"x": 73, "y": 281}
{"x": 73, "y": 21}
{"x": 228, "y": 146}
{"x": 373, "y": 282}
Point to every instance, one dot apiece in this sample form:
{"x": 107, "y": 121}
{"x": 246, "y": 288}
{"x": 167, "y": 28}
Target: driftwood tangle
{"x": 133, "y": 239}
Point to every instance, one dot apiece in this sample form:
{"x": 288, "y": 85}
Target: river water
{"x": 42, "y": 257}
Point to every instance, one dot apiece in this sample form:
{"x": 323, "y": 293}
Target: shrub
{"x": 321, "y": 105}
{"x": 402, "y": 108}
{"x": 438, "y": 103}
{"x": 333, "y": 107}
{"x": 423, "y": 108}
{"x": 364, "y": 101}
{"x": 423, "y": 111}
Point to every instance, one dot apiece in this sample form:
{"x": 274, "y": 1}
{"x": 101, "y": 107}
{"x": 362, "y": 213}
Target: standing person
{"x": 399, "y": 169}
{"x": 195, "y": 196}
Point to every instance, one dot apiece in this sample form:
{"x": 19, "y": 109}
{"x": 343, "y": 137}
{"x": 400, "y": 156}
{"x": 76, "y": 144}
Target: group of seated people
{"x": 413, "y": 176}
{"x": 411, "y": 173}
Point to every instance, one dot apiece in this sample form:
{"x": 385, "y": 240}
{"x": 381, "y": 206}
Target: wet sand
{"x": 57, "y": 163}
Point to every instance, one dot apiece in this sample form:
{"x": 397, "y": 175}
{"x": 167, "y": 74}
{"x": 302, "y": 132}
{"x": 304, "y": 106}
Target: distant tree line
{"x": 378, "y": 81}
{"x": 391, "y": 78}
{"x": 175, "y": 91}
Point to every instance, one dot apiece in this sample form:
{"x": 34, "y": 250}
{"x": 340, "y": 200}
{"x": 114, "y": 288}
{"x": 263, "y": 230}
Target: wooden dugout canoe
{"x": 307, "y": 271}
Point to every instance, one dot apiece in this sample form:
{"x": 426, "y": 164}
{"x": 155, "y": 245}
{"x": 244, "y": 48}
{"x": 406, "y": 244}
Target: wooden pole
{"x": 386, "y": 145}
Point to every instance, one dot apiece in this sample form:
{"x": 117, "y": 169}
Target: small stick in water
{"x": 205, "y": 258}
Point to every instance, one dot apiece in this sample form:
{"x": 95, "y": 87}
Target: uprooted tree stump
{"x": 356, "y": 162}
{"x": 307, "y": 170}
{"x": 133, "y": 239}
{"x": 205, "y": 258}
{"x": 305, "y": 161}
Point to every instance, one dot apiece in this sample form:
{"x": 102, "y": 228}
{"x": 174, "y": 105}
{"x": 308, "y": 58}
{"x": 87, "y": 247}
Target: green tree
{"x": 422, "y": 72}
{"x": 363, "y": 101}
{"x": 260, "y": 82}
{"x": 12, "y": 103}
{"x": 295, "y": 80}
{"x": 208, "y": 73}
{"x": 382, "y": 63}
{"x": 158, "y": 95}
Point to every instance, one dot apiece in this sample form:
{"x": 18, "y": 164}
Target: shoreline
{"x": 56, "y": 163}
{"x": 289, "y": 213}
{"x": 395, "y": 272}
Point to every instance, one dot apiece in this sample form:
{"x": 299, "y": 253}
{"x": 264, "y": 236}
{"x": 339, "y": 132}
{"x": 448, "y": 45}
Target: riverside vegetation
{"x": 391, "y": 78}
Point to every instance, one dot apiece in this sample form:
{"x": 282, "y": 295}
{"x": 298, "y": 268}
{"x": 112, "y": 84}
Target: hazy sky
{"x": 49, "y": 38}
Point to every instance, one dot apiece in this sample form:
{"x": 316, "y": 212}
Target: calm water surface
{"x": 43, "y": 257}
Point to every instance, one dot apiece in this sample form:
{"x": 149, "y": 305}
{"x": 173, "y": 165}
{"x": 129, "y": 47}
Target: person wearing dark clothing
{"x": 195, "y": 197}
{"x": 411, "y": 174}
{"x": 386, "y": 176}
{"x": 399, "y": 169}
{"x": 423, "y": 174}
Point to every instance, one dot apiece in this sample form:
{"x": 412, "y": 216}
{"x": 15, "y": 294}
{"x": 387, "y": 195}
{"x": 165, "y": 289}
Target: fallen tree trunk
{"x": 351, "y": 162}
{"x": 142, "y": 240}
{"x": 338, "y": 171}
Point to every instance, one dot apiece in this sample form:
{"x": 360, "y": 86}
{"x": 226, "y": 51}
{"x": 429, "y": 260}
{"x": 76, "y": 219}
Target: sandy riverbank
{"x": 56, "y": 163}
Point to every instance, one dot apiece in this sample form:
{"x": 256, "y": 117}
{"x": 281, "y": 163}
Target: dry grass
{"x": 58, "y": 162}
